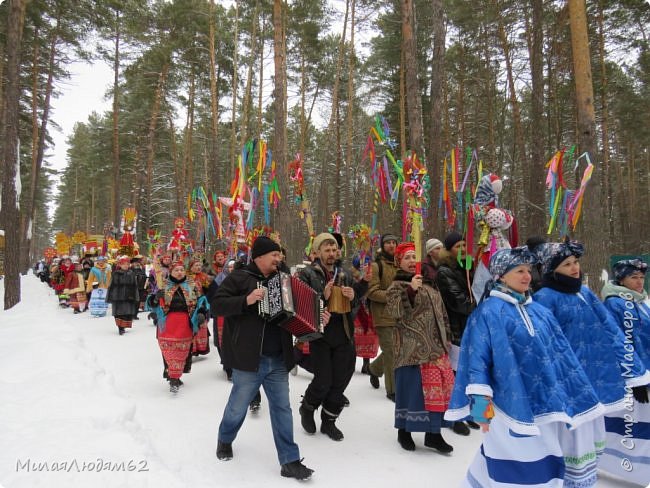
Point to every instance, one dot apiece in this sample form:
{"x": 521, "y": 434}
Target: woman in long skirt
{"x": 519, "y": 378}
{"x": 178, "y": 320}
{"x": 627, "y": 452}
{"x": 599, "y": 346}
{"x": 423, "y": 374}
{"x": 201, "y": 343}
{"x": 123, "y": 294}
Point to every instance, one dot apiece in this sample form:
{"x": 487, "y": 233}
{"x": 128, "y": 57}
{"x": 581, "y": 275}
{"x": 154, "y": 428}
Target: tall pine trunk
{"x": 604, "y": 124}
{"x": 214, "y": 102}
{"x": 519, "y": 147}
{"x": 151, "y": 139}
{"x": 412, "y": 85}
{"x": 115, "y": 193}
{"x": 249, "y": 79}
{"x": 37, "y": 162}
{"x": 9, "y": 214}
{"x": 282, "y": 217}
{"x": 188, "y": 156}
{"x": 592, "y": 223}
{"x": 323, "y": 201}
{"x": 535, "y": 169}
{"x": 235, "y": 82}
{"x": 436, "y": 143}
{"x": 348, "y": 151}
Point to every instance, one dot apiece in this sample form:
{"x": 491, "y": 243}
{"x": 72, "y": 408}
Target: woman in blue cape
{"x": 598, "y": 343}
{"x": 627, "y": 452}
{"x": 519, "y": 378}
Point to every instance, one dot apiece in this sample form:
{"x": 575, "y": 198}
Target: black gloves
{"x": 200, "y": 318}
{"x": 160, "y": 294}
{"x": 640, "y": 394}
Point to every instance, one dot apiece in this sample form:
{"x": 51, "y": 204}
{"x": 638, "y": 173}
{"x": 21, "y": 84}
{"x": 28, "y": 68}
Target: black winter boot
{"x": 405, "y": 440}
{"x": 174, "y": 385}
{"x": 366, "y": 366}
{"x": 460, "y": 428}
{"x": 224, "y": 451}
{"x": 307, "y": 417}
{"x": 328, "y": 426}
{"x": 435, "y": 441}
{"x": 295, "y": 469}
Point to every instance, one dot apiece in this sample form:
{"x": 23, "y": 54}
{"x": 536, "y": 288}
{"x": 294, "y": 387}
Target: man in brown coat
{"x": 383, "y": 273}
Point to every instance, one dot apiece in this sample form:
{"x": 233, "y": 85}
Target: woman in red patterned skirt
{"x": 178, "y": 322}
{"x": 423, "y": 376}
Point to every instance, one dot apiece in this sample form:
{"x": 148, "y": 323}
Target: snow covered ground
{"x": 81, "y": 406}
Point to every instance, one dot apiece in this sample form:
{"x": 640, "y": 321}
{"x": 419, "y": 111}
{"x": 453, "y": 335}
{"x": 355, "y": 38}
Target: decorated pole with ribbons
{"x": 296, "y": 175}
{"x": 565, "y": 205}
{"x": 416, "y": 202}
{"x": 384, "y": 168}
{"x": 233, "y": 218}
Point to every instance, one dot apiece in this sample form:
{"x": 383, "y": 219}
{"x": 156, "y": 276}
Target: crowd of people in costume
{"x": 554, "y": 375}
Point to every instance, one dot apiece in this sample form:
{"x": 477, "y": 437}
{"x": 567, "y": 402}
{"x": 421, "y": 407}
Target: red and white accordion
{"x": 293, "y": 304}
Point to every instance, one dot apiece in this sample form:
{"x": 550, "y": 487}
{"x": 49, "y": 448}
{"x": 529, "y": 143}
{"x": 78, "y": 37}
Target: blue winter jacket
{"x": 517, "y": 355}
{"x": 598, "y": 343}
{"x": 632, "y": 317}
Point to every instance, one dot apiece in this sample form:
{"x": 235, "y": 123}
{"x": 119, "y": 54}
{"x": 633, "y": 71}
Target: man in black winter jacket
{"x": 260, "y": 353}
{"x": 454, "y": 283}
{"x": 332, "y": 356}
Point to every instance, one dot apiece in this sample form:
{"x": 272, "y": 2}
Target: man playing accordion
{"x": 260, "y": 354}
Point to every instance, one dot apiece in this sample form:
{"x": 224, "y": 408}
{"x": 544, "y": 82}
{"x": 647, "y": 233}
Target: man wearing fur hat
{"x": 260, "y": 354}
{"x": 333, "y": 356}
{"x": 383, "y": 273}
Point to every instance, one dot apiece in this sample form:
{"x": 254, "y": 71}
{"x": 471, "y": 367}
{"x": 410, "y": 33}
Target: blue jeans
{"x": 273, "y": 376}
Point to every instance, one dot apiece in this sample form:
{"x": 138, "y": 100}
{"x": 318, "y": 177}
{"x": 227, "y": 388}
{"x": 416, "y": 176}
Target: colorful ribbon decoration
{"x": 416, "y": 201}
{"x": 364, "y": 239}
{"x": 296, "y": 175}
{"x": 380, "y": 170}
{"x": 565, "y": 205}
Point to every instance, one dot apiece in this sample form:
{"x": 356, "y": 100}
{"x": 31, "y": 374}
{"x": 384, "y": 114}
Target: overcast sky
{"x": 82, "y": 94}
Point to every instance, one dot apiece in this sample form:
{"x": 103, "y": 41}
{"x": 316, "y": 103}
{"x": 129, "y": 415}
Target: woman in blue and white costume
{"x": 599, "y": 345}
{"x": 515, "y": 359}
{"x": 627, "y": 453}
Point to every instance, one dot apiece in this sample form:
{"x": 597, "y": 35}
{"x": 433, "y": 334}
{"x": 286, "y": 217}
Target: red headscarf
{"x": 402, "y": 248}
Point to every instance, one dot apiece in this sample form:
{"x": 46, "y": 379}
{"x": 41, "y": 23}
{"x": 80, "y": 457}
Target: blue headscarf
{"x": 551, "y": 254}
{"x": 626, "y": 267}
{"x": 504, "y": 260}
